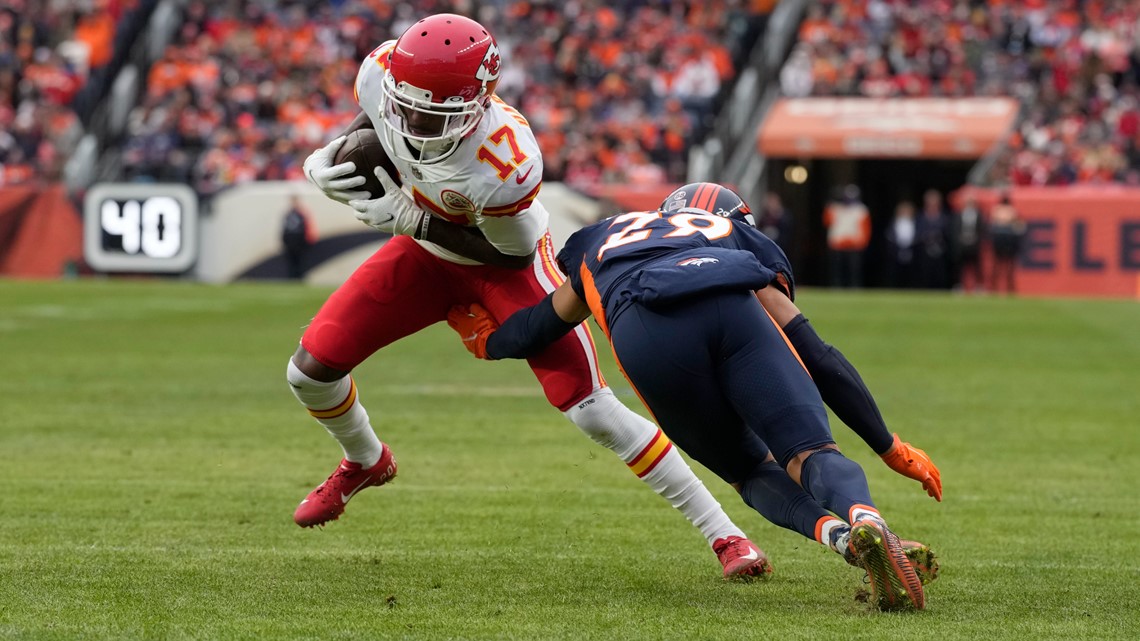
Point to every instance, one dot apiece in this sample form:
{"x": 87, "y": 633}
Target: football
{"x": 363, "y": 148}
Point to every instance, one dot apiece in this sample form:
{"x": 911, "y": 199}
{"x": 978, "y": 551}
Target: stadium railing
{"x": 729, "y": 153}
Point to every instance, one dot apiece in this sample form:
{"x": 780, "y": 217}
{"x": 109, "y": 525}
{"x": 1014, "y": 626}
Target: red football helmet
{"x": 441, "y": 75}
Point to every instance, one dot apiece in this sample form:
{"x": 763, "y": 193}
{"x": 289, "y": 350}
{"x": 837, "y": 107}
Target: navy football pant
{"x": 721, "y": 381}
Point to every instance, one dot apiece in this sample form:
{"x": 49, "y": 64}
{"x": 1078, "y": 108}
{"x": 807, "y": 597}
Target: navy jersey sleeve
{"x": 766, "y": 251}
{"x": 573, "y": 254}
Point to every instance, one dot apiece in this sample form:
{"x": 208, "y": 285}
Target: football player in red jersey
{"x": 468, "y": 228}
{"x": 680, "y": 294}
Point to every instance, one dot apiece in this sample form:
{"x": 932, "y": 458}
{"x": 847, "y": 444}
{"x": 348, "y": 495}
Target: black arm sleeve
{"x": 361, "y": 121}
{"x": 469, "y": 242}
{"x": 528, "y": 331}
{"x": 840, "y": 385}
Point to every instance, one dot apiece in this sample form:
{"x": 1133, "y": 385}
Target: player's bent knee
{"x": 795, "y": 465}
{"x": 314, "y": 369}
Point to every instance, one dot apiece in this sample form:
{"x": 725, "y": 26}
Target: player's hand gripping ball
{"x": 362, "y": 148}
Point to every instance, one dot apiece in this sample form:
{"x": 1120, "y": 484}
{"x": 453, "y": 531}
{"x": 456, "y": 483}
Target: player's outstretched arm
{"x": 839, "y": 383}
{"x": 844, "y": 391}
{"x": 527, "y": 332}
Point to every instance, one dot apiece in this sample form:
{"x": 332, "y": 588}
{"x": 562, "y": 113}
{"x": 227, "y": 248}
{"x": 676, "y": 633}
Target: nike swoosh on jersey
{"x": 521, "y": 178}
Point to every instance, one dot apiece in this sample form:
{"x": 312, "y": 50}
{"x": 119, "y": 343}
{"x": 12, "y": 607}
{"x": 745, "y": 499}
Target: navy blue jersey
{"x": 647, "y": 256}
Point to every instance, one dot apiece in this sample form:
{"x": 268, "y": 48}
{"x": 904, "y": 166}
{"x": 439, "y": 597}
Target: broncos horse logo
{"x": 697, "y": 262}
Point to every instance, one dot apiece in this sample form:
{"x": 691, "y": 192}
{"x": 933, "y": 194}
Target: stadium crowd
{"x": 615, "y": 91}
{"x": 47, "y": 51}
{"x": 1074, "y": 64}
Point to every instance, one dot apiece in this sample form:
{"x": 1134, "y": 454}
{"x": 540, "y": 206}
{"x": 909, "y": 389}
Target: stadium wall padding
{"x": 241, "y": 231}
{"x": 1081, "y": 240}
{"x": 41, "y": 234}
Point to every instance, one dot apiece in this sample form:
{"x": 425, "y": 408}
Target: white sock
{"x": 651, "y": 456}
{"x": 833, "y": 533}
{"x": 862, "y": 512}
{"x": 336, "y": 407}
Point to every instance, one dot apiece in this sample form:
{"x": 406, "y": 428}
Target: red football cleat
{"x": 741, "y": 559}
{"x": 326, "y": 503}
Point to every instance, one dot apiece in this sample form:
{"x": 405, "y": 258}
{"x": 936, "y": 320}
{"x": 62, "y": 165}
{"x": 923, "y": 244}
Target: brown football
{"x": 363, "y": 148}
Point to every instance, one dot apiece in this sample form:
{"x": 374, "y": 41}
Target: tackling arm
{"x": 527, "y": 332}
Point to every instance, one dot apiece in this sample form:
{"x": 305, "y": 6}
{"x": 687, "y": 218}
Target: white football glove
{"x": 336, "y": 181}
{"x": 394, "y": 212}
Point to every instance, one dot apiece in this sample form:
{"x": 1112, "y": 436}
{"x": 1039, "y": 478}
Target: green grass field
{"x": 151, "y": 456}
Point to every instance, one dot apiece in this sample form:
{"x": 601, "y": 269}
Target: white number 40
{"x": 152, "y": 226}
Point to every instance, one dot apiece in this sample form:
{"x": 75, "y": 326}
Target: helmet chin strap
{"x": 428, "y": 150}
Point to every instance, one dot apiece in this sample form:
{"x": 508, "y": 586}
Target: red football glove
{"x": 913, "y": 463}
{"x": 474, "y": 324}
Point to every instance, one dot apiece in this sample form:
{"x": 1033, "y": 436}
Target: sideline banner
{"x": 41, "y": 235}
{"x": 1082, "y": 240}
{"x": 241, "y": 231}
{"x": 885, "y": 127}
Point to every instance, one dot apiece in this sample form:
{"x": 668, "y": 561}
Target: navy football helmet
{"x": 708, "y": 198}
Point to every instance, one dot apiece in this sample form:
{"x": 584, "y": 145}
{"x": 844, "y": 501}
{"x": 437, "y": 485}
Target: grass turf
{"x": 151, "y": 456}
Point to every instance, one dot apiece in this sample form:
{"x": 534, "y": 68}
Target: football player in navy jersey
{"x": 698, "y": 307}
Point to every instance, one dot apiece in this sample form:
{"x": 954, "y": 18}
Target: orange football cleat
{"x": 894, "y": 583}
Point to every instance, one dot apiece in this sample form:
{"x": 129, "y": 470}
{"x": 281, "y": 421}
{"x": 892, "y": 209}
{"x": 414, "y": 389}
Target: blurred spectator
{"x": 95, "y": 32}
{"x": 47, "y": 50}
{"x": 932, "y": 241}
{"x": 296, "y": 238}
{"x": 615, "y": 92}
{"x": 1074, "y": 65}
{"x": 968, "y": 230}
{"x": 773, "y": 219}
{"x": 1006, "y": 232}
{"x": 796, "y": 75}
{"x": 848, "y": 226}
{"x": 900, "y": 247}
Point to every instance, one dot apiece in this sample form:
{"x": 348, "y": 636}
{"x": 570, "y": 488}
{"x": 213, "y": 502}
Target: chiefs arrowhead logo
{"x": 456, "y": 201}
{"x": 489, "y": 68}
